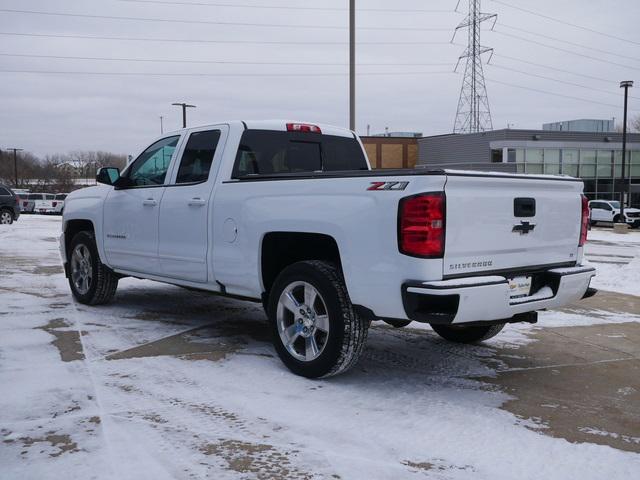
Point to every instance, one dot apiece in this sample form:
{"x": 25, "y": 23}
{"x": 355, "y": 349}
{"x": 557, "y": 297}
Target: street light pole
{"x": 184, "y": 112}
{"x": 352, "y": 64}
{"x": 161, "y": 126}
{"x": 626, "y": 85}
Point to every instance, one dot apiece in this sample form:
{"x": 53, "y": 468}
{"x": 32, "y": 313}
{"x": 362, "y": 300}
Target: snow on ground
{"x": 106, "y": 392}
{"x": 616, "y": 258}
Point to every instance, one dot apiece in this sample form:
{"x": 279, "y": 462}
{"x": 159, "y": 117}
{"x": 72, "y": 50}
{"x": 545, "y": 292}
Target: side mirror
{"x": 108, "y": 175}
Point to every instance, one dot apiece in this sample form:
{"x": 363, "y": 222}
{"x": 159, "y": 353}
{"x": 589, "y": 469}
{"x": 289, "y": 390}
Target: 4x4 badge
{"x": 524, "y": 228}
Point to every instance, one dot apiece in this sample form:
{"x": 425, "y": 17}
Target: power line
{"x": 556, "y": 39}
{"x": 564, "y": 22}
{"x": 214, "y": 22}
{"x": 546, "y": 92}
{"x": 187, "y": 40}
{"x": 207, "y": 74}
{"x": 553, "y": 47}
{"x": 218, "y": 62}
{"x": 549, "y": 67}
{"x": 283, "y": 7}
{"x": 557, "y": 80}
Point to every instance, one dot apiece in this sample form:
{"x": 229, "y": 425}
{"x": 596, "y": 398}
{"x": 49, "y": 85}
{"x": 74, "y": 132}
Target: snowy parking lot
{"x": 167, "y": 383}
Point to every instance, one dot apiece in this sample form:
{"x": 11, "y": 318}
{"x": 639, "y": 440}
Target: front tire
{"x": 467, "y": 334}
{"x": 6, "y": 217}
{"x": 316, "y": 331}
{"x": 91, "y": 281}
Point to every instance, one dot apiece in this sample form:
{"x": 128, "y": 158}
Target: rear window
{"x": 4, "y": 192}
{"x": 61, "y": 196}
{"x": 35, "y": 196}
{"x": 267, "y": 152}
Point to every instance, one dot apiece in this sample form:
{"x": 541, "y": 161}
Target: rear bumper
{"x": 482, "y": 299}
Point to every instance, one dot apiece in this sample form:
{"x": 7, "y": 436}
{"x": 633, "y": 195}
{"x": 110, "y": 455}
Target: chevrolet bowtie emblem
{"x": 524, "y": 228}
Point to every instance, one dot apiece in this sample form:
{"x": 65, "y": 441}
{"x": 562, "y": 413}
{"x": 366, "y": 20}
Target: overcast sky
{"x": 59, "y": 112}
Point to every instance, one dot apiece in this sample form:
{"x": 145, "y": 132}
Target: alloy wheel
{"x": 302, "y": 321}
{"x": 81, "y": 269}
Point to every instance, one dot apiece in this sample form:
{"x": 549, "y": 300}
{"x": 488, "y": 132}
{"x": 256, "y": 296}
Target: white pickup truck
{"x": 609, "y": 211}
{"x": 290, "y": 215}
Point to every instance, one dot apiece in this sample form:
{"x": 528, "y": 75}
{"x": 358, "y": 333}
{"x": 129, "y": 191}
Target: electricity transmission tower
{"x": 473, "y": 114}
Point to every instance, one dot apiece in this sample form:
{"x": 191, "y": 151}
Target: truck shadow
{"x": 575, "y": 383}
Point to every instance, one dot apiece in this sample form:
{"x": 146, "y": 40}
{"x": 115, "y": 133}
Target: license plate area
{"x": 520, "y": 286}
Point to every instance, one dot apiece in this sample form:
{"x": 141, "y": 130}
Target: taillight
{"x": 303, "y": 127}
{"x": 421, "y": 220}
{"x": 53, "y": 204}
{"x": 584, "y": 225}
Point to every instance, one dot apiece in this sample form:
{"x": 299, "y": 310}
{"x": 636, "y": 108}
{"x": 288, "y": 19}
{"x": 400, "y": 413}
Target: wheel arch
{"x": 278, "y": 250}
{"x": 73, "y": 227}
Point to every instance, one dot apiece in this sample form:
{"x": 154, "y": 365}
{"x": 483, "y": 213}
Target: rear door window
{"x": 267, "y": 152}
{"x": 197, "y": 158}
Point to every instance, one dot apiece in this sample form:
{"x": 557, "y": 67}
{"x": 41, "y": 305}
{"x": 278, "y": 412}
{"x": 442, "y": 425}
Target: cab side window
{"x": 150, "y": 168}
{"x": 198, "y": 157}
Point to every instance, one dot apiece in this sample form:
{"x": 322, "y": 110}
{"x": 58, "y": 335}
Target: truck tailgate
{"x": 504, "y": 222}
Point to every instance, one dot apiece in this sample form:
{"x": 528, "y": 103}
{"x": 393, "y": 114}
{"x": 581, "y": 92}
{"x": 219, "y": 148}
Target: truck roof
{"x": 275, "y": 125}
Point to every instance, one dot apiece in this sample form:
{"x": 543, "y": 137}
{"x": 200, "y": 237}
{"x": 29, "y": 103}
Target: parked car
{"x": 58, "y": 203}
{"x": 28, "y": 202}
{"x": 290, "y": 215}
{"x": 609, "y": 211}
{"x": 37, "y": 203}
{"x": 9, "y": 206}
{"x": 44, "y": 204}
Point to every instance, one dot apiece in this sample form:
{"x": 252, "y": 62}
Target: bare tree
{"x": 56, "y": 172}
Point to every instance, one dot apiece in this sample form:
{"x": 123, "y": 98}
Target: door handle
{"x": 196, "y": 202}
{"x": 149, "y": 202}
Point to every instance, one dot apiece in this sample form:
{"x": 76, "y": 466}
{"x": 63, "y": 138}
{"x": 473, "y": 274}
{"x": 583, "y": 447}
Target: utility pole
{"x": 15, "y": 164}
{"x": 473, "y": 114}
{"x": 626, "y": 85}
{"x": 352, "y": 64}
{"x": 184, "y": 112}
{"x": 161, "y": 126}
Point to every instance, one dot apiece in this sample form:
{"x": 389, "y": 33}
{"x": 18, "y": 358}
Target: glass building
{"x": 595, "y": 157}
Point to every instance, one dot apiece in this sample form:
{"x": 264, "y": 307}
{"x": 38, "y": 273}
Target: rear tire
{"x": 91, "y": 281}
{"x": 470, "y": 334}
{"x": 316, "y": 331}
{"x": 6, "y": 216}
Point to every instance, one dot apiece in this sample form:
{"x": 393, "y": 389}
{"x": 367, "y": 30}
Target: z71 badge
{"x": 388, "y": 185}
